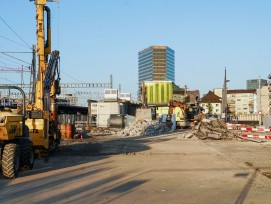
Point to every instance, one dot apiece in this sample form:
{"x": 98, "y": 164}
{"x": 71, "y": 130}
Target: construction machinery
{"x": 187, "y": 115}
{"x": 42, "y": 113}
{"x": 17, "y": 150}
{"x": 166, "y": 98}
{"x": 193, "y": 114}
{"x": 179, "y": 109}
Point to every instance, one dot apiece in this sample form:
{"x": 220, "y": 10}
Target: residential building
{"x": 155, "y": 63}
{"x": 218, "y": 92}
{"x": 242, "y": 101}
{"x": 263, "y": 100}
{"x": 211, "y": 103}
{"x": 256, "y": 83}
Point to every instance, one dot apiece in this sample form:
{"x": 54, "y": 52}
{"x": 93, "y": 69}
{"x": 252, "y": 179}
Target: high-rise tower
{"x": 155, "y": 63}
{"x": 256, "y": 83}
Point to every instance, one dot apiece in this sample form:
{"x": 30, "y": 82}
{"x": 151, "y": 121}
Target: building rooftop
{"x": 240, "y": 91}
{"x": 210, "y": 97}
{"x": 154, "y": 47}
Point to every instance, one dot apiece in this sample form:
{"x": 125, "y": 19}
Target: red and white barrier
{"x": 233, "y": 126}
{"x": 256, "y": 136}
{"x": 250, "y": 129}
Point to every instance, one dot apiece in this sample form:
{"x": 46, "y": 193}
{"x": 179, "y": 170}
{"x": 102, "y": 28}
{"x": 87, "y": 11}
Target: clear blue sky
{"x": 99, "y": 38}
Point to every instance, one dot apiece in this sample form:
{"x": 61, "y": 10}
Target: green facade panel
{"x": 159, "y": 92}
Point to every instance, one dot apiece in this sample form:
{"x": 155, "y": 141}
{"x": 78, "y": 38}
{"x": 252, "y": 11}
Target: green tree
{"x": 209, "y": 108}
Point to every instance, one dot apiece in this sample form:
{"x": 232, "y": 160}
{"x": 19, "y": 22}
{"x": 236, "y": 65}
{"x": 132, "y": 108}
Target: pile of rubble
{"x": 100, "y": 130}
{"x": 144, "y": 128}
{"x": 213, "y": 128}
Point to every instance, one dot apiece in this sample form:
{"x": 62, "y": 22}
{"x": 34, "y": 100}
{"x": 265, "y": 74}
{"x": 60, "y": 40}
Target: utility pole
{"x": 33, "y": 75}
{"x": 22, "y": 76}
{"x": 111, "y": 82}
{"x": 224, "y": 96}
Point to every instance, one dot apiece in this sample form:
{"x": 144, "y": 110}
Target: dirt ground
{"x": 156, "y": 169}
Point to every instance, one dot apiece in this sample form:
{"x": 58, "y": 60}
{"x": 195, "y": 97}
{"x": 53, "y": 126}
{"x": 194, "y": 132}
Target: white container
{"x": 108, "y": 108}
{"x": 104, "y": 110}
{"x": 93, "y": 108}
{"x": 125, "y": 96}
{"x": 103, "y": 120}
{"x": 111, "y": 95}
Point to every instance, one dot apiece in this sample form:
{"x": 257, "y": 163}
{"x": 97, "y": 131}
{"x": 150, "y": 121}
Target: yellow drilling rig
{"x": 42, "y": 114}
{"x": 36, "y": 129}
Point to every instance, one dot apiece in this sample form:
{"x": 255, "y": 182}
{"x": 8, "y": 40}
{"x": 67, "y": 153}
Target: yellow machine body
{"x": 11, "y": 127}
{"x": 38, "y": 131}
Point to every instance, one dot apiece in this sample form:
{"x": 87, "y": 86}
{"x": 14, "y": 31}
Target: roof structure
{"x": 237, "y": 91}
{"x": 210, "y": 97}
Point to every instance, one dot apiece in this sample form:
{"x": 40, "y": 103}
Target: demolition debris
{"x": 145, "y": 128}
{"x": 213, "y": 128}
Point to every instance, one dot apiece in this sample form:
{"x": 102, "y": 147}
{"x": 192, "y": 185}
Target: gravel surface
{"x": 169, "y": 168}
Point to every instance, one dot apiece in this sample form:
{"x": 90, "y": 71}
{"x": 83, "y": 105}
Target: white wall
{"x": 263, "y": 98}
{"x": 216, "y": 108}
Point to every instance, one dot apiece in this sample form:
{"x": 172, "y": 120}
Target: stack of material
{"x": 100, "y": 130}
{"x": 213, "y": 129}
{"x": 145, "y": 128}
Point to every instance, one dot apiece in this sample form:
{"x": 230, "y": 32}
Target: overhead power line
{"x": 16, "y": 52}
{"x": 72, "y": 85}
{"x": 15, "y": 32}
{"x": 3, "y": 63}
{"x": 70, "y": 76}
{"x": 9, "y": 61}
{"x": 9, "y": 69}
{"x": 7, "y": 80}
{"x": 13, "y": 41}
{"x": 15, "y": 58}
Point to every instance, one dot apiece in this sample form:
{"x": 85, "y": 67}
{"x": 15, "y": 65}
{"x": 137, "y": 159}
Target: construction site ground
{"x": 146, "y": 169}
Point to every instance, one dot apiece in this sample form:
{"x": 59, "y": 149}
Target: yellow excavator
{"x": 36, "y": 130}
{"x": 17, "y": 150}
{"x": 42, "y": 114}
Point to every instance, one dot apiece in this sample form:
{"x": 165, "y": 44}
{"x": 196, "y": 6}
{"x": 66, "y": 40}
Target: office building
{"x": 254, "y": 83}
{"x": 218, "y": 92}
{"x": 155, "y": 63}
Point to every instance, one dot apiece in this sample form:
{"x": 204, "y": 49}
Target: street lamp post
{"x": 224, "y": 96}
{"x": 260, "y": 101}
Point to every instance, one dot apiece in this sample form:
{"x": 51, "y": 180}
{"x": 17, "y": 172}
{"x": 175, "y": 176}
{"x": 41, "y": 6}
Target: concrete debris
{"x": 128, "y": 119}
{"x": 213, "y": 128}
{"x": 100, "y": 130}
{"x": 145, "y": 128}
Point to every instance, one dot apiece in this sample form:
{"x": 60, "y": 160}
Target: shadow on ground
{"x": 78, "y": 152}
